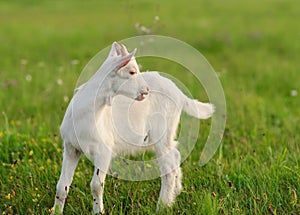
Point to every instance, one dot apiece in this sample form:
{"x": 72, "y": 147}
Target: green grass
{"x": 253, "y": 45}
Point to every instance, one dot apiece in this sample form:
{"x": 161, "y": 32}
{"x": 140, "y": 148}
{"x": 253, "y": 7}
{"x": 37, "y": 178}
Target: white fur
{"x": 122, "y": 125}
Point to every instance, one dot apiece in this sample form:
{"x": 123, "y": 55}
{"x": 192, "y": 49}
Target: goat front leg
{"x": 169, "y": 165}
{"x": 101, "y": 161}
{"x": 70, "y": 159}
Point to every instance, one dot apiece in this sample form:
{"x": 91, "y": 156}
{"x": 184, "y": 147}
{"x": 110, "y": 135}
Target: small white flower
{"x": 156, "y": 18}
{"x": 145, "y": 29}
{"x": 221, "y": 72}
{"x": 41, "y": 64}
{"x": 28, "y": 77}
{"x": 59, "y": 82}
{"x": 137, "y": 25}
{"x": 23, "y": 62}
{"x": 74, "y": 62}
{"x": 294, "y": 92}
{"x": 66, "y": 99}
{"x": 61, "y": 69}
{"x": 142, "y": 28}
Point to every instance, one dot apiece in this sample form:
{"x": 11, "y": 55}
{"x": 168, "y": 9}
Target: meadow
{"x": 254, "y": 48}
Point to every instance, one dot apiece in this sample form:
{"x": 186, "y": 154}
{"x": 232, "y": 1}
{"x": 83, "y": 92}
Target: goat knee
{"x": 96, "y": 186}
{"x": 169, "y": 161}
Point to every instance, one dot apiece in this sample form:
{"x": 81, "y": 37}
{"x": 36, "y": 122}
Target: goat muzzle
{"x": 142, "y": 95}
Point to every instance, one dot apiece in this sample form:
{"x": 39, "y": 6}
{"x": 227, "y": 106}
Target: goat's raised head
{"x": 125, "y": 78}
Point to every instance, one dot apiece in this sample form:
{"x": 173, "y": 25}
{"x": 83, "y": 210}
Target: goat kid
{"x": 122, "y": 120}
{"x": 79, "y": 129}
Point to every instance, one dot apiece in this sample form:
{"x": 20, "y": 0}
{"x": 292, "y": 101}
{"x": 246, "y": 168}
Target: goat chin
{"x": 141, "y": 97}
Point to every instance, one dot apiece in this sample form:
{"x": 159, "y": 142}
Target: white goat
{"x": 111, "y": 122}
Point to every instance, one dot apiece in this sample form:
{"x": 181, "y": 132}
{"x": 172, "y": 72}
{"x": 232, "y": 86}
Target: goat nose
{"x": 146, "y": 91}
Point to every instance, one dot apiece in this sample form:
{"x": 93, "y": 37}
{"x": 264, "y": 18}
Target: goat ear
{"x": 114, "y": 50}
{"x": 124, "y": 50}
{"x": 124, "y": 60}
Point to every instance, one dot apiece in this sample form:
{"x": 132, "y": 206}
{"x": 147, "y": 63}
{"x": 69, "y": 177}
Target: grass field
{"x": 253, "y": 45}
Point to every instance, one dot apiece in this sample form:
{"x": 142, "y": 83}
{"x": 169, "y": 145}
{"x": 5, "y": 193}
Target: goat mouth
{"x": 141, "y": 97}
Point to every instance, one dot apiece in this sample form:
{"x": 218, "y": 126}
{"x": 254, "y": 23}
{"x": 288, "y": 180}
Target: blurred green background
{"x": 254, "y": 48}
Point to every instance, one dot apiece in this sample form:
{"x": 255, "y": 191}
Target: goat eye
{"x": 132, "y": 73}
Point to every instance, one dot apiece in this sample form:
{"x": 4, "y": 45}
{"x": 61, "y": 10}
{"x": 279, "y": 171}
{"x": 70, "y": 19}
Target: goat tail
{"x": 198, "y": 109}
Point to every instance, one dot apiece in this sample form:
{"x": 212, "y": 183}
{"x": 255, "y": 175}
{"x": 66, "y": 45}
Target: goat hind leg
{"x": 178, "y": 173}
{"x": 169, "y": 165}
{"x": 178, "y": 177}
